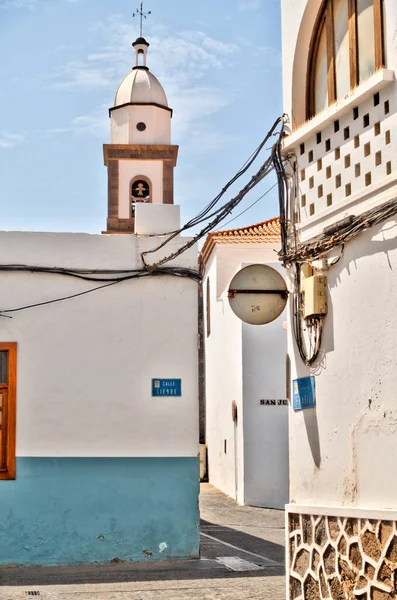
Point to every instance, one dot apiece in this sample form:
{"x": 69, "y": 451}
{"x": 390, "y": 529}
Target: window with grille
{"x": 347, "y": 48}
{"x": 8, "y": 361}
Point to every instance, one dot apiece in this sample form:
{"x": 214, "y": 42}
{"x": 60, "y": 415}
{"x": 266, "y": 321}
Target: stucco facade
{"x": 343, "y": 499}
{"x": 247, "y": 455}
{"x": 110, "y": 471}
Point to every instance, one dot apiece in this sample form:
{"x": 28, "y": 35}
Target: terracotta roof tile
{"x": 264, "y": 232}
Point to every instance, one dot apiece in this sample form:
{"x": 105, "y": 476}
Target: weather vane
{"x": 139, "y": 13}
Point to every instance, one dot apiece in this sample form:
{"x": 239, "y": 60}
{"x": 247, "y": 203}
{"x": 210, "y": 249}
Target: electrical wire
{"x": 20, "y": 308}
{"x": 309, "y": 341}
{"x": 314, "y": 325}
{"x": 278, "y": 163}
{"x": 205, "y": 213}
{"x": 293, "y": 254}
{"x": 320, "y": 246}
{"x": 249, "y": 207}
{"x": 137, "y": 274}
{"x": 221, "y": 213}
{"x": 113, "y": 277}
{"x": 97, "y": 274}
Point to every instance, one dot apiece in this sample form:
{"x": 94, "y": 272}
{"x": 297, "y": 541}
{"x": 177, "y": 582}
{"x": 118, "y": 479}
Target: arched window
{"x": 141, "y": 191}
{"x": 140, "y": 59}
{"x": 347, "y": 48}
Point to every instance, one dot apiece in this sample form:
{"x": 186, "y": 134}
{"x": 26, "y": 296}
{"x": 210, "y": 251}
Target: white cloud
{"x": 95, "y": 123}
{"x": 181, "y": 61}
{"x": 9, "y": 140}
{"x": 76, "y": 75}
{"x": 184, "y": 56}
{"x": 250, "y": 4}
{"x": 194, "y": 105}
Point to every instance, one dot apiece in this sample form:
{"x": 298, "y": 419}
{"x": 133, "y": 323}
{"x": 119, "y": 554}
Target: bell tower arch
{"x": 140, "y": 149}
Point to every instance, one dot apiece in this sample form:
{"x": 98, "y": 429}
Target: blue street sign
{"x": 304, "y": 393}
{"x": 166, "y": 387}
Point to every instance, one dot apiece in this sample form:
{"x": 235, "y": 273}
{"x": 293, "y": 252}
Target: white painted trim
{"x": 378, "y": 81}
{"x": 342, "y": 511}
{"x": 235, "y": 563}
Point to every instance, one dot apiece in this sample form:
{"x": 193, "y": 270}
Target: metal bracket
{"x": 283, "y": 293}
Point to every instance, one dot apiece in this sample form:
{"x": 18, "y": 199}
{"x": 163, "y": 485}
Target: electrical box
{"x": 306, "y": 271}
{"x": 315, "y": 301}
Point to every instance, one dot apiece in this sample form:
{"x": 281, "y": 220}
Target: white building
{"x": 99, "y": 400}
{"x": 339, "y": 65}
{"x": 246, "y": 424}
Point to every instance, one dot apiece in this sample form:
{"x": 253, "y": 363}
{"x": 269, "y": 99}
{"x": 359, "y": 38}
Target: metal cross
{"x": 139, "y": 13}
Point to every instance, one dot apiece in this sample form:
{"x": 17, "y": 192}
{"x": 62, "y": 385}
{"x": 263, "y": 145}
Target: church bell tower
{"x": 140, "y": 158}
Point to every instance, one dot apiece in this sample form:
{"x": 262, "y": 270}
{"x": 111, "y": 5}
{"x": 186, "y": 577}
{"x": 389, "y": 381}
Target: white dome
{"x": 140, "y": 87}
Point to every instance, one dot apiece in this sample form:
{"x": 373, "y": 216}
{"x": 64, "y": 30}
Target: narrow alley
{"x": 242, "y": 557}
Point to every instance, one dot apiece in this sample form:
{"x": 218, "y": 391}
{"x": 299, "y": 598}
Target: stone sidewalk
{"x": 242, "y": 557}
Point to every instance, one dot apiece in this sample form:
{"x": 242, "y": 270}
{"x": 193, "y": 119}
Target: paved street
{"x": 242, "y": 557}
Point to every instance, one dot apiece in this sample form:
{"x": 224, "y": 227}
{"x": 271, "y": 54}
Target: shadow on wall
{"x": 313, "y": 436}
{"x": 310, "y": 415}
{"x": 354, "y": 250}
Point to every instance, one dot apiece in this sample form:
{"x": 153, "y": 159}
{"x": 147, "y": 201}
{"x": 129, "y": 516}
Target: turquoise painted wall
{"x": 63, "y": 511}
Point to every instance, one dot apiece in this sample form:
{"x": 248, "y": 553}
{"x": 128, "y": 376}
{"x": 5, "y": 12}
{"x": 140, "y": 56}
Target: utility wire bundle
{"x": 103, "y": 275}
{"x": 109, "y": 276}
{"x": 308, "y": 332}
{"x": 274, "y": 161}
{"x": 113, "y": 277}
{"x": 314, "y": 325}
{"x": 319, "y": 247}
{"x": 335, "y": 236}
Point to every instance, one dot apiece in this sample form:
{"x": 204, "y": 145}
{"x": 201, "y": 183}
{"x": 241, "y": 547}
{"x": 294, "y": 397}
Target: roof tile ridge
{"x": 237, "y": 230}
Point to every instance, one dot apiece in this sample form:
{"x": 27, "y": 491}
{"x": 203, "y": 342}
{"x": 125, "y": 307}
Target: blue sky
{"x": 219, "y": 62}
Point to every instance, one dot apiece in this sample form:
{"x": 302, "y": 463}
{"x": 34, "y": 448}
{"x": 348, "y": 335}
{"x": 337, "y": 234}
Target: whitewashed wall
{"x": 124, "y": 121}
{"x": 223, "y": 355}
{"x": 265, "y": 426}
{"x": 85, "y": 365}
{"x": 342, "y": 452}
{"x": 235, "y": 370}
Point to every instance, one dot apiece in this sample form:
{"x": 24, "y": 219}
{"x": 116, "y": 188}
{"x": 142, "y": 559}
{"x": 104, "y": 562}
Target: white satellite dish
{"x": 258, "y": 294}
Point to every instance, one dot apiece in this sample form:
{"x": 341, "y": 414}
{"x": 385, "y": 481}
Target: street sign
{"x": 166, "y": 387}
{"x": 304, "y": 393}
{"x": 274, "y": 402}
